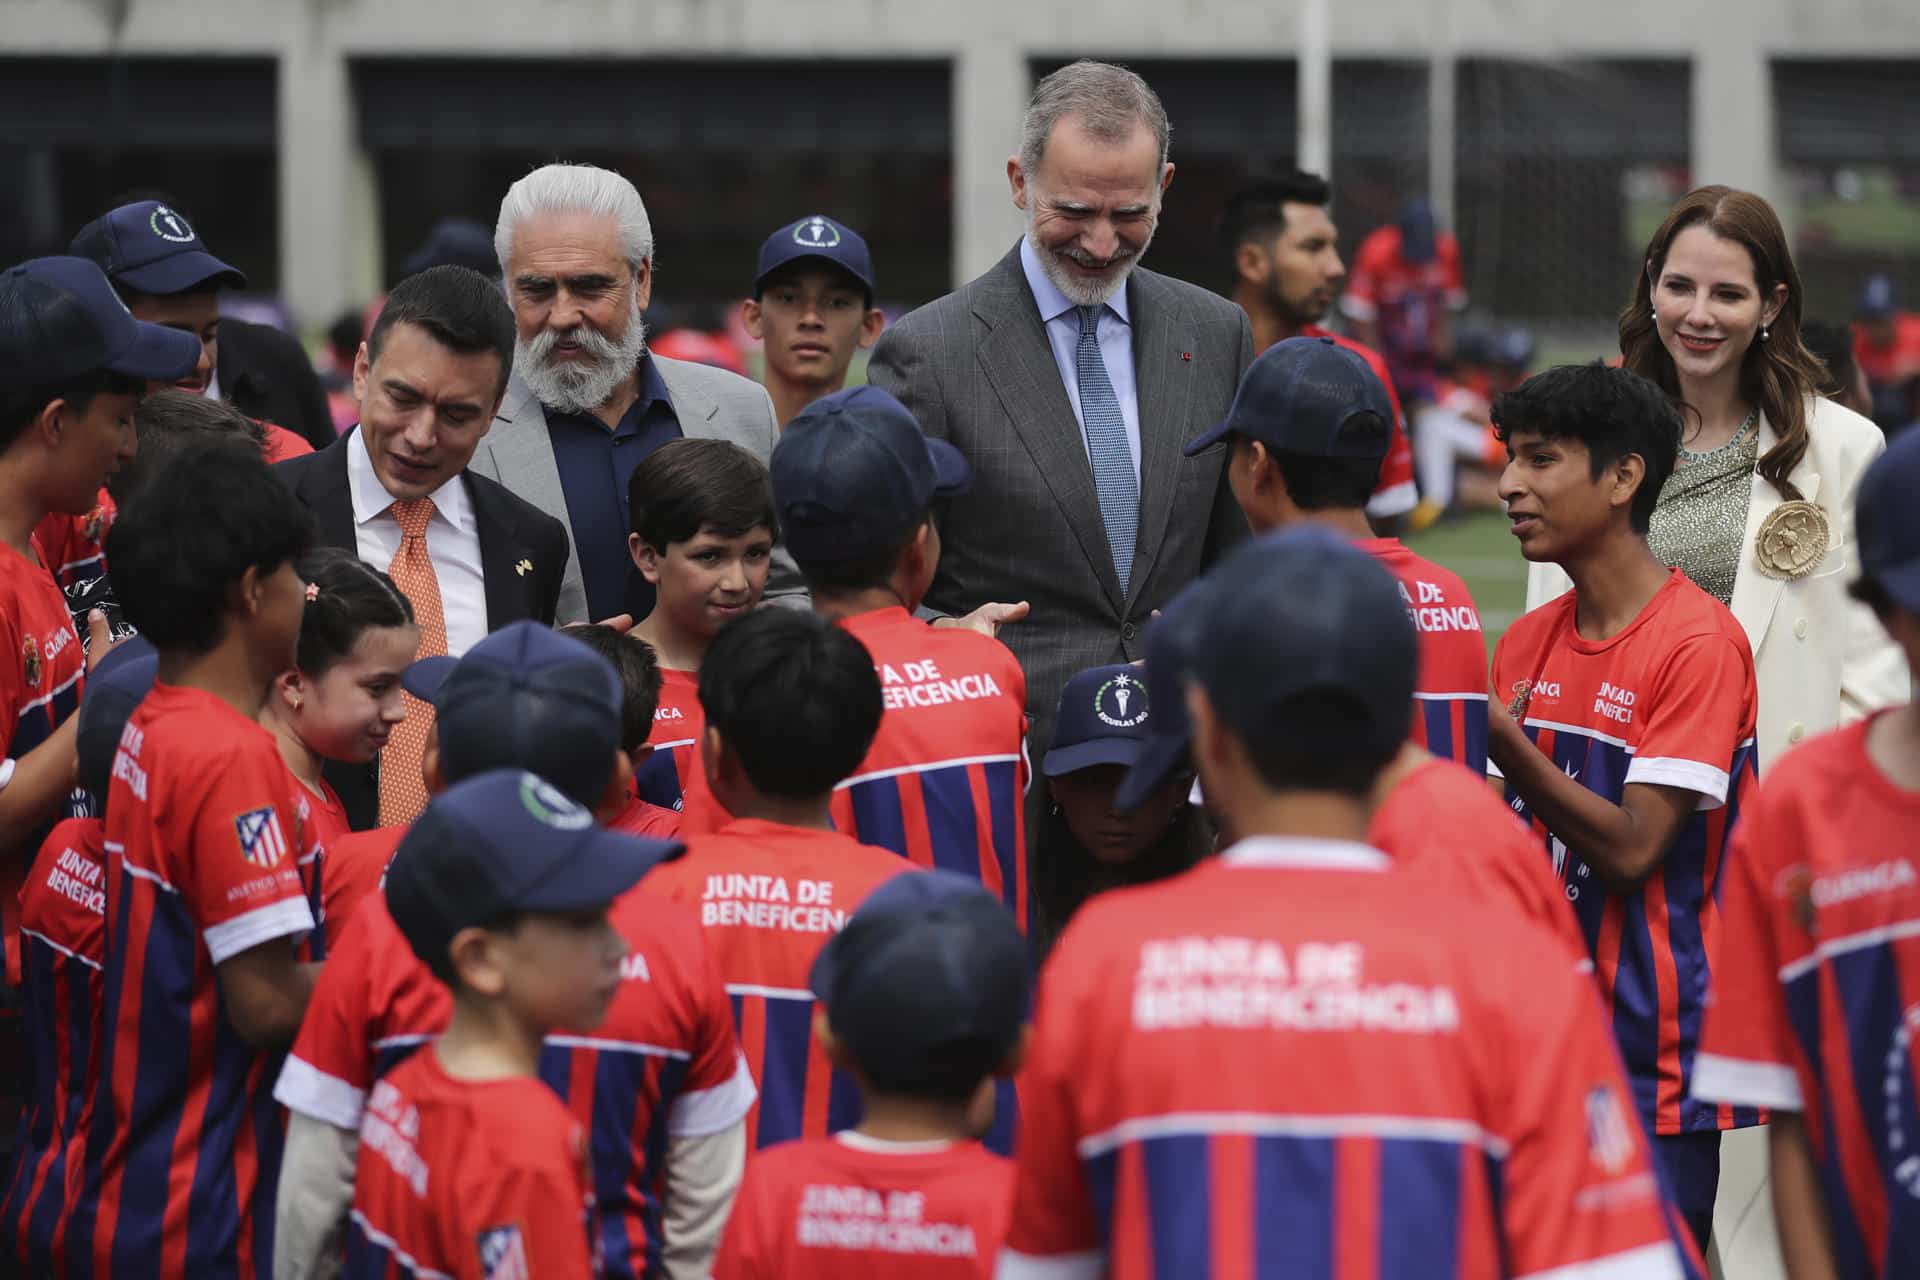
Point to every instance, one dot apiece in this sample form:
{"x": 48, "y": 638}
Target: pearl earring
{"x": 1763, "y": 333}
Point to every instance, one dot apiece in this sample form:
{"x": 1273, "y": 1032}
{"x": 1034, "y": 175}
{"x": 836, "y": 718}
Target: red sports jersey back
{"x": 352, "y": 871}
{"x": 769, "y": 897}
{"x": 678, "y": 720}
{"x": 201, "y": 866}
{"x": 1450, "y": 692}
{"x": 944, "y": 781}
{"x": 851, "y": 1207}
{"x": 1285, "y": 1063}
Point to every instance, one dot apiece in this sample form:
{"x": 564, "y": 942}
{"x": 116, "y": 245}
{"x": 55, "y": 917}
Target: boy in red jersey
{"x": 926, "y": 995}
{"x": 661, "y": 1084}
{"x": 1812, "y": 1010}
{"x": 777, "y": 881}
{"x": 468, "y": 1165}
{"x": 1628, "y": 742}
{"x": 62, "y": 923}
{"x": 1283, "y": 1062}
{"x": 703, "y": 535}
{"x": 855, "y": 482}
{"x": 206, "y": 905}
{"x": 639, "y": 672}
{"x": 1308, "y": 428}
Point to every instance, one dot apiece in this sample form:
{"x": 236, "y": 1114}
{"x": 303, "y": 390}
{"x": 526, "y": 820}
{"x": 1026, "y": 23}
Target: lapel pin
{"x": 1186, "y": 355}
{"x": 523, "y": 568}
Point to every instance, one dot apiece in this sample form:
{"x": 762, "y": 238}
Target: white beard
{"x": 1079, "y": 290}
{"x": 580, "y": 386}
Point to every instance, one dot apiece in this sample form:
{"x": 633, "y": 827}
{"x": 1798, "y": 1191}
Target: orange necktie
{"x": 403, "y": 793}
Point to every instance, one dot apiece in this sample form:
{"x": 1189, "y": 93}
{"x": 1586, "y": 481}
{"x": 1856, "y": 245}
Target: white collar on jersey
{"x": 1304, "y": 852}
{"x": 884, "y": 1146}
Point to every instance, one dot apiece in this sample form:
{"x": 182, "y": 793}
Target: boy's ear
{"x": 244, "y": 596}
{"x": 714, "y": 761}
{"x": 613, "y": 800}
{"x": 645, "y": 558}
{"x": 750, "y": 316}
{"x": 430, "y": 774}
{"x": 870, "y": 326}
{"x": 831, "y": 1045}
{"x": 1017, "y": 1056}
{"x": 476, "y": 961}
{"x": 1628, "y": 475}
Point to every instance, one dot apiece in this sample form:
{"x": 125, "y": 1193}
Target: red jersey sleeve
{"x": 1053, "y": 1224}
{"x": 719, "y": 1089}
{"x": 241, "y": 879}
{"x": 1747, "y": 1054}
{"x": 1361, "y": 298}
{"x": 330, "y": 1067}
{"x": 1698, "y": 711}
{"x": 533, "y": 1219}
{"x": 1580, "y": 1191}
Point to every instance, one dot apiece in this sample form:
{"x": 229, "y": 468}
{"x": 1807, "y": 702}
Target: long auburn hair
{"x": 1778, "y": 374}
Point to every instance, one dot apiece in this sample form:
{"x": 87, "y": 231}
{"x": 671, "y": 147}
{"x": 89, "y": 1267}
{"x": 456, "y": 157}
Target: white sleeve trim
{"x": 288, "y": 916}
{"x": 1688, "y": 775}
{"x": 1649, "y": 1262}
{"x": 1014, "y": 1265}
{"x": 701, "y": 1113}
{"x": 6, "y": 773}
{"x": 1358, "y": 308}
{"x": 1746, "y": 1083}
{"x": 307, "y": 1089}
{"x": 1396, "y": 501}
{"x": 1493, "y": 771}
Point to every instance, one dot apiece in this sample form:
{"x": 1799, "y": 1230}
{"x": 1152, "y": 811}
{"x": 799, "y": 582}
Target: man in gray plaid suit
{"x": 1070, "y": 378}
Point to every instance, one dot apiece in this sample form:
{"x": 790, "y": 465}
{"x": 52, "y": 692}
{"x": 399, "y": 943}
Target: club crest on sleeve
{"x": 503, "y": 1254}
{"x": 30, "y": 662}
{"x": 1609, "y": 1140}
{"x": 262, "y": 843}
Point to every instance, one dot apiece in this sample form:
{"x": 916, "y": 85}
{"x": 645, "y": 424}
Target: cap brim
{"x": 951, "y": 474}
{"x": 194, "y": 270}
{"x": 158, "y": 354}
{"x": 1159, "y": 758}
{"x": 604, "y": 865}
{"x": 760, "y": 281}
{"x": 1089, "y": 754}
{"x": 424, "y": 676}
{"x": 1208, "y": 438}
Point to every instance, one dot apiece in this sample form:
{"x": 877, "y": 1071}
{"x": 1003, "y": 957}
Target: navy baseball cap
{"x": 1419, "y": 232}
{"x": 1888, "y": 521}
{"x": 151, "y": 248}
{"x": 1103, "y": 720}
{"x": 502, "y": 842}
{"x": 116, "y": 685}
{"x": 1304, "y": 614}
{"x": 455, "y": 242}
{"x": 930, "y": 962}
{"x": 853, "y": 471}
{"x": 1877, "y": 298}
{"x": 1302, "y": 396}
{"x": 1172, "y": 639}
{"x": 59, "y": 318}
{"x": 815, "y": 237}
{"x": 525, "y": 697}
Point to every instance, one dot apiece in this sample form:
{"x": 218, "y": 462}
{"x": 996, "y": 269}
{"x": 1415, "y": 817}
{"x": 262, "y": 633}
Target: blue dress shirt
{"x": 1062, "y": 323}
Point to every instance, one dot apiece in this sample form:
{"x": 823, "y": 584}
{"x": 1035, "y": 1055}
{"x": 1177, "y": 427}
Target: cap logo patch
{"x": 169, "y": 225}
{"x": 550, "y": 807}
{"x": 817, "y": 233}
{"x": 1121, "y": 703}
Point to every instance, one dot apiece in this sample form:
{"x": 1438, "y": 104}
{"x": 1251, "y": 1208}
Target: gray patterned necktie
{"x": 1113, "y": 474}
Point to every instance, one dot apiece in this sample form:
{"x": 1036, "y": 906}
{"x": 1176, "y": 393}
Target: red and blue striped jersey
{"x": 1816, "y": 1000}
{"x": 474, "y": 1179}
{"x": 852, "y": 1207}
{"x": 666, "y": 775}
{"x": 62, "y": 917}
{"x": 74, "y": 547}
{"x": 945, "y": 779}
{"x": 1669, "y": 701}
{"x": 1285, "y": 1063}
{"x": 1450, "y": 690}
{"x": 664, "y": 1064}
{"x": 42, "y": 670}
{"x": 319, "y": 823}
{"x": 769, "y": 896}
{"x": 201, "y": 866}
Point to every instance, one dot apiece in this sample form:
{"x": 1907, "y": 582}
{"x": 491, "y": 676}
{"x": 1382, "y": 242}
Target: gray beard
{"x": 580, "y": 386}
{"x": 1079, "y": 291}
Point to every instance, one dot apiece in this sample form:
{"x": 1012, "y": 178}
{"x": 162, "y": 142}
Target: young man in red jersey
{"x": 703, "y": 535}
{"x": 468, "y": 1164}
{"x": 1811, "y": 1013}
{"x": 1285, "y": 1062}
{"x": 204, "y": 983}
{"x": 1286, "y": 273}
{"x": 812, "y": 309}
{"x": 1628, "y": 738}
{"x": 856, "y": 484}
{"x": 62, "y": 928}
{"x": 791, "y": 706}
{"x": 661, "y": 1085}
{"x": 926, "y": 997}
{"x": 1308, "y": 429}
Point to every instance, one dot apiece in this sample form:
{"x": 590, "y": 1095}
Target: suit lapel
{"x": 693, "y": 409}
{"x": 333, "y": 497}
{"x": 1755, "y": 594}
{"x": 509, "y": 590}
{"x": 1164, "y": 387}
{"x": 1017, "y": 362}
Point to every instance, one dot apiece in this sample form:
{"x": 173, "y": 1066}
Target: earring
{"x": 1763, "y": 333}
{"x": 1653, "y": 315}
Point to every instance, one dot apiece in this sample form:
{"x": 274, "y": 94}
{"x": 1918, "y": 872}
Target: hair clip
{"x": 313, "y": 592}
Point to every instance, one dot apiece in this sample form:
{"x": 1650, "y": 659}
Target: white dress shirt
{"x": 1062, "y": 321}
{"x": 453, "y": 544}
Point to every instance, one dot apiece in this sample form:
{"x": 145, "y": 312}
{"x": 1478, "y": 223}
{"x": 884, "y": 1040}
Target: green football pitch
{"x": 1479, "y": 549}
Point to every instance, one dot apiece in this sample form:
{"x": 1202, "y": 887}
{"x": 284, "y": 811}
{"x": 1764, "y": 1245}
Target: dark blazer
{"x": 977, "y": 371}
{"x": 265, "y": 374}
{"x": 512, "y": 531}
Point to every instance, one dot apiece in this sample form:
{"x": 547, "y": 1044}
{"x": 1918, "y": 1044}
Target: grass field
{"x": 1479, "y": 549}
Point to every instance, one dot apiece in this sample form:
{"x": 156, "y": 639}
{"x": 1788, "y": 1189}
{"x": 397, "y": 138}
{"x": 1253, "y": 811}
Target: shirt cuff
{"x": 701, "y": 1113}
{"x": 1396, "y": 501}
{"x": 1688, "y": 775}
{"x": 1014, "y": 1265}
{"x": 6, "y": 773}
{"x": 305, "y": 1088}
{"x": 1357, "y": 307}
{"x": 1746, "y": 1083}
{"x": 1648, "y": 1262}
{"x": 288, "y": 916}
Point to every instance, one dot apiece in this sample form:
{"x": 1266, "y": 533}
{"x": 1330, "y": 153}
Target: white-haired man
{"x": 1070, "y": 378}
{"x": 588, "y": 401}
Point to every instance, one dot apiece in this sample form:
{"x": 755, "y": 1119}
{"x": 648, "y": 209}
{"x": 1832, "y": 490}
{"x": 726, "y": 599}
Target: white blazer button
{"x": 1800, "y": 629}
{"x": 1797, "y": 732}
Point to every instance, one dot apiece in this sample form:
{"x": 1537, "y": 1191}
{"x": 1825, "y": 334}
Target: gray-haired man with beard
{"x": 1070, "y": 378}
{"x": 588, "y": 401}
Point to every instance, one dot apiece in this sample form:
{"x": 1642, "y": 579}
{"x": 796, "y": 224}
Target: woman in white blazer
{"x": 1759, "y": 512}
